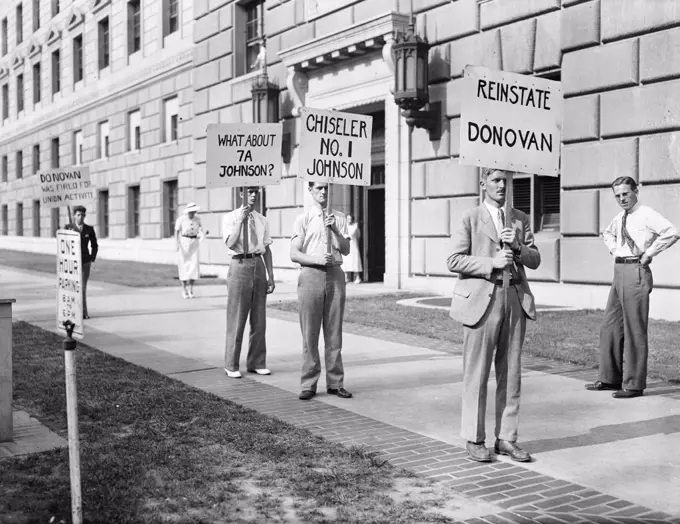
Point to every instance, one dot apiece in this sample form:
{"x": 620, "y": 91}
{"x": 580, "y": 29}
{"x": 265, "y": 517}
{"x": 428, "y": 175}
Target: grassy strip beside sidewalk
{"x": 123, "y": 273}
{"x": 569, "y": 336}
{"x": 155, "y": 450}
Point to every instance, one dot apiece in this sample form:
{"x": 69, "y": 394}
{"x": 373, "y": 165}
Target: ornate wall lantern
{"x": 411, "y": 78}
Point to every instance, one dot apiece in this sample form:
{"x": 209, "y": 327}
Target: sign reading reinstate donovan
{"x": 510, "y": 121}
{"x": 241, "y": 155}
{"x": 68, "y": 186}
{"x": 335, "y": 147}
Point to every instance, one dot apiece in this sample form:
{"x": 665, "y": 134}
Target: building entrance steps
{"x": 596, "y": 458}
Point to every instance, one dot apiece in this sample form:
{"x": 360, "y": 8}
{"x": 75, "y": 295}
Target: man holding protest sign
{"x": 88, "y": 247}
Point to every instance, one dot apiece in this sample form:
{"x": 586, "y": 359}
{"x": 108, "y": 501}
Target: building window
{"x": 170, "y": 16}
{"x": 5, "y": 220}
{"x": 104, "y": 43}
{"x": 170, "y": 119}
{"x": 54, "y": 221}
{"x": 539, "y": 197}
{"x": 36, "y": 83}
{"x": 20, "y": 93}
{"x": 254, "y": 12}
{"x": 5, "y": 168}
{"x": 77, "y": 148}
{"x": 20, "y": 23}
{"x": 36, "y": 158}
{"x": 56, "y": 71}
{"x": 5, "y": 101}
{"x": 77, "y": 58}
{"x": 103, "y": 140}
{"x": 20, "y": 219}
{"x": 20, "y": 164}
{"x": 36, "y": 15}
{"x": 103, "y": 213}
{"x": 134, "y": 26}
{"x": 54, "y": 152}
{"x": 55, "y": 7}
{"x": 169, "y": 207}
{"x": 133, "y": 211}
{"x": 134, "y": 130}
{"x": 36, "y": 218}
{"x": 5, "y": 36}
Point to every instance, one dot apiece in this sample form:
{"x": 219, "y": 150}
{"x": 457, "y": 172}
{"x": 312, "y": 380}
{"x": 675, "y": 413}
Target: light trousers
{"x": 497, "y": 338}
{"x": 321, "y": 299}
{"x": 623, "y": 336}
{"x": 246, "y": 297}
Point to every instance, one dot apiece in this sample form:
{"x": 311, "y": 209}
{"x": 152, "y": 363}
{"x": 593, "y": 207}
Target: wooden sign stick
{"x": 507, "y": 209}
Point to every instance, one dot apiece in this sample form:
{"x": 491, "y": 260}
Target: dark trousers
{"x": 623, "y": 336}
{"x": 86, "y": 276}
{"x": 321, "y": 298}
{"x": 246, "y": 296}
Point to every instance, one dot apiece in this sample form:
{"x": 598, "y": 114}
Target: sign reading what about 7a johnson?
{"x": 68, "y": 186}
{"x": 69, "y": 282}
{"x": 510, "y": 121}
{"x": 335, "y": 147}
{"x": 241, "y": 155}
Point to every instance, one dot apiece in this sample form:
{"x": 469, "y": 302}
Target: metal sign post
{"x": 69, "y": 346}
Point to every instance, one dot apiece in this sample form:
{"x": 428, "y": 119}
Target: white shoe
{"x": 233, "y": 374}
{"x": 261, "y": 371}
{"x": 185, "y": 294}
{"x": 191, "y": 294}
{"x": 357, "y": 280}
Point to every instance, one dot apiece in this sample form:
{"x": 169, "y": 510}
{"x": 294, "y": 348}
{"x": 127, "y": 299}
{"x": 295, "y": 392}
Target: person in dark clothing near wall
{"x": 88, "y": 248}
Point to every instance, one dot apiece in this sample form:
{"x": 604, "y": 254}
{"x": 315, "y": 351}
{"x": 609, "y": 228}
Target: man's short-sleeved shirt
{"x": 256, "y": 245}
{"x": 310, "y": 228}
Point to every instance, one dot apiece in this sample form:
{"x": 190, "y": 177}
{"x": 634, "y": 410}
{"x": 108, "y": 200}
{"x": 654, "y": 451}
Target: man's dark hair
{"x": 79, "y": 208}
{"x": 625, "y": 180}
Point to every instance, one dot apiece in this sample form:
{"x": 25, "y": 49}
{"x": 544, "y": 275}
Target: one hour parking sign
{"x": 69, "y": 282}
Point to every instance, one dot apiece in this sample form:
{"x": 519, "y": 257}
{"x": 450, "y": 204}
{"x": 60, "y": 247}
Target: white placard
{"x": 510, "y": 121}
{"x": 240, "y": 155}
{"x": 335, "y": 147}
{"x": 69, "y": 186}
{"x": 69, "y": 282}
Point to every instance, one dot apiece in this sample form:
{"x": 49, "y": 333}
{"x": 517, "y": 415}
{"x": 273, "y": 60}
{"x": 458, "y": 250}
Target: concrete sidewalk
{"x": 597, "y": 459}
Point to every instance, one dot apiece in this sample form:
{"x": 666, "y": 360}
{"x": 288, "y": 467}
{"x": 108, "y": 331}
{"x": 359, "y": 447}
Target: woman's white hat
{"x": 191, "y": 207}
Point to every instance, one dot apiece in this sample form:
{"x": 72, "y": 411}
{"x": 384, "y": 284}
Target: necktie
{"x": 501, "y": 214}
{"x": 625, "y": 236}
{"x": 252, "y": 233}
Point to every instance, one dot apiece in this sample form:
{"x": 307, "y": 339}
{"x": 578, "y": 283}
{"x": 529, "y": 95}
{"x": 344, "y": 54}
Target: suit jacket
{"x": 475, "y": 243}
{"x": 88, "y": 239}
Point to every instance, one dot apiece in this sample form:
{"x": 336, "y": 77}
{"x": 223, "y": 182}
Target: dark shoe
{"x": 478, "y": 451}
{"x": 602, "y": 386}
{"x": 307, "y": 395}
{"x": 86, "y": 317}
{"x": 627, "y": 393}
{"x": 341, "y": 392}
{"x": 505, "y": 447}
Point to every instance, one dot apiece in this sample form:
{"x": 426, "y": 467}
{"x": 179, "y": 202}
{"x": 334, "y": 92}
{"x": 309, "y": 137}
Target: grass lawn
{"x": 124, "y": 273}
{"x": 155, "y": 450}
{"x": 571, "y": 336}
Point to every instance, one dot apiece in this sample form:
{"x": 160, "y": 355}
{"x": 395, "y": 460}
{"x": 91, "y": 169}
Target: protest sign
{"x": 69, "y": 282}
{"x": 335, "y": 147}
{"x": 240, "y": 155}
{"x": 62, "y": 187}
{"x": 510, "y": 121}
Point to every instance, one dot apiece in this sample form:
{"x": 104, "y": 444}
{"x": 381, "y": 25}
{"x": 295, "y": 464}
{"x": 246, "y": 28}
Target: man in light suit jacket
{"x": 482, "y": 248}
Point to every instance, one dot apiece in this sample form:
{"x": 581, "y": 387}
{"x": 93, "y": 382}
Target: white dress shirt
{"x": 256, "y": 245}
{"x": 651, "y": 233}
{"x": 310, "y": 227}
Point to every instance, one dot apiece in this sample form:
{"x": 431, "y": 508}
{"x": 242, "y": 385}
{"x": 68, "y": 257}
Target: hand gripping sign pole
{"x": 508, "y": 224}
{"x": 329, "y": 234}
{"x": 244, "y": 203}
{"x": 69, "y": 345}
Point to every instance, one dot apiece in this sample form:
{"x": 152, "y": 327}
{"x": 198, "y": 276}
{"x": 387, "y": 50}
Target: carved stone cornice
{"x": 34, "y": 49}
{"x": 3, "y": 72}
{"x": 18, "y": 61}
{"x": 97, "y": 5}
{"x": 75, "y": 18}
{"x": 53, "y": 36}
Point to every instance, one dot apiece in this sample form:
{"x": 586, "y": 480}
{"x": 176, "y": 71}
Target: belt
{"x": 240, "y": 256}
{"x": 190, "y": 236}
{"x": 499, "y": 282}
{"x": 317, "y": 266}
{"x": 626, "y": 260}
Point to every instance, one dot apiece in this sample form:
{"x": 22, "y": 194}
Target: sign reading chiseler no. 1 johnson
{"x": 510, "y": 121}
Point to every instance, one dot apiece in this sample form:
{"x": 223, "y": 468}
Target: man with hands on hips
{"x": 321, "y": 291}
{"x": 493, "y": 330}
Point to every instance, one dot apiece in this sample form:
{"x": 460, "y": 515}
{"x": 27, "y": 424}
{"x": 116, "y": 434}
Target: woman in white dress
{"x": 188, "y": 234}
{"x": 351, "y": 264}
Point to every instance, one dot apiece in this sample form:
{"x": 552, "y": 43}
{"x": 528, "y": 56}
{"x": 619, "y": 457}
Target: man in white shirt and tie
{"x": 634, "y": 238}
{"x": 247, "y": 285}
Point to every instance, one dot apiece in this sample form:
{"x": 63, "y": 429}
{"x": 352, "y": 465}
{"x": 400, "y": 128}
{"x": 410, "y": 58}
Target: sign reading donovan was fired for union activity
{"x": 69, "y": 282}
{"x": 510, "y": 121}
{"x": 335, "y": 147}
{"x": 243, "y": 155}
{"x": 68, "y": 186}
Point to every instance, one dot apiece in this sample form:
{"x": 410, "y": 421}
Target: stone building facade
{"x": 616, "y": 59}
